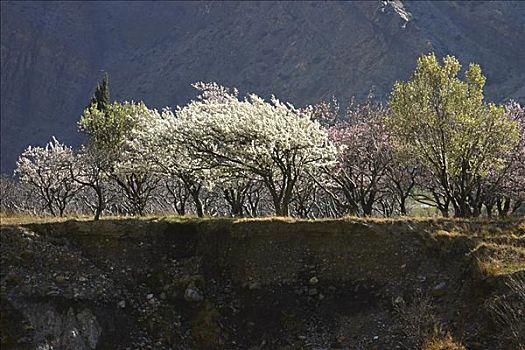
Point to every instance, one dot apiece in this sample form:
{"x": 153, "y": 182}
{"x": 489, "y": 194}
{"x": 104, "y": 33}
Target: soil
{"x": 260, "y": 284}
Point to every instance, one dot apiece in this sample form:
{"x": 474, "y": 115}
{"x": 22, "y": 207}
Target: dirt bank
{"x": 259, "y": 284}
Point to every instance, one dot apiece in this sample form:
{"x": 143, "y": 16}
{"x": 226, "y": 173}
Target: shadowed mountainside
{"x": 53, "y": 54}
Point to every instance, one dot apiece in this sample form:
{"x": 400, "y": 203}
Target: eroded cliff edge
{"x": 221, "y": 283}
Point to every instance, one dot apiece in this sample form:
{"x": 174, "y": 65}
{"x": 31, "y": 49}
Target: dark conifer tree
{"x": 101, "y": 96}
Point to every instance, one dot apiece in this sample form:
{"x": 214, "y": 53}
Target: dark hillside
{"x": 52, "y": 54}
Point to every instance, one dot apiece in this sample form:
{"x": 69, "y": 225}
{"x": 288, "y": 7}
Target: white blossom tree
{"x": 110, "y": 130}
{"x": 154, "y": 146}
{"x": 48, "y": 171}
{"x": 272, "y": 141}
{"x": 91, "y": 171}
{"x": 129, "y": 171}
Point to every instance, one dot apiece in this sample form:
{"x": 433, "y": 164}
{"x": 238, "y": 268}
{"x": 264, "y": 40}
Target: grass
{"x": 499, "y": 259}
{"x": 21, "y": 219}
{"x": 499, "y": 247}
{"x": 501, "y": 267}
{"x": 460, "y": 224}
{"x": 443, "y": 343}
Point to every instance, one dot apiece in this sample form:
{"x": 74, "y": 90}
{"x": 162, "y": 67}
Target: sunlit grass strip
{"x": 495, "y": 267}
{"x": 499, "y": 259}
{"x": 461, "y": 226}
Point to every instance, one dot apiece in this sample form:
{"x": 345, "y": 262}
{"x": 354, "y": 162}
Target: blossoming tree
{"x": 364, "y": 156}
{"x": 48, "y": 171}
{"x": 271, "y": 141}
{"x": 110, "y": 131}
{"x": 155, "y": 146}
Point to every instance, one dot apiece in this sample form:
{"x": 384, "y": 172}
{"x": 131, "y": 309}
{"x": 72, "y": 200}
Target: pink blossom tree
{"x": 364, "y": 158}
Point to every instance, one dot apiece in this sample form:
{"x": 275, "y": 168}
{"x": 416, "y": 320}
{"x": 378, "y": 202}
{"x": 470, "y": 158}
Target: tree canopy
{"x": 444, "y": 122}
{"x": 436, "y": 142}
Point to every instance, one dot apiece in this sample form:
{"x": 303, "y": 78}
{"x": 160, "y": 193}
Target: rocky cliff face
{"x": 54, "y": 53}
{"x": 260, "y": 284}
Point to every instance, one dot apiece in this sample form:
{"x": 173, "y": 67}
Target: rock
{"x": 13, "y": 278}
{"x": 27, "y": 254}
{"x": 62, "y": 329}
{"x": 399, "y": 300}
{"x": 440, "y": 289}
{"x": 60, "y": 278}
{"x": 121, "y": 304}
{"x": 313, "y": 281}
{"x": 254, "y": 285}
{"x": 193, "y": 295}
{"x": 149, "y": 296}
{"x": 82, "y": 279}
{"x": 89, "y": 327}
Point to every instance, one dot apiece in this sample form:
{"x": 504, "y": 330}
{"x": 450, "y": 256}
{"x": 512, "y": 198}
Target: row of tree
{"x": 437, "y": 143}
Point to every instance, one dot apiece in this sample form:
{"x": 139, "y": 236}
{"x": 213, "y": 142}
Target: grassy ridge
{"x": 342, "y": 274}
{"x": 498, "y": 246}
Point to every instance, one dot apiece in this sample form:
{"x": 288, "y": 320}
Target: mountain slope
{"x": 53, "y": 54}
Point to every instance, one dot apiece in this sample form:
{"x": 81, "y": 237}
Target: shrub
{"x": 508, "y": 310}
{"x": 418, "y": 321}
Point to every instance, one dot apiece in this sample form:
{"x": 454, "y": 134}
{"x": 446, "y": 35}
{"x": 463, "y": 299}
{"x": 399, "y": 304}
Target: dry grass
{"x": 447, "y": 234}
{"x": 519, "y": 222}
{"x": 498, "y": 259}
{"x": 495, "y": 267}
{"x": 509, "y": 310}
{"x": 443, "y": 343}
{"x": 21, "y": 219}
{"x": 418, "y": 320}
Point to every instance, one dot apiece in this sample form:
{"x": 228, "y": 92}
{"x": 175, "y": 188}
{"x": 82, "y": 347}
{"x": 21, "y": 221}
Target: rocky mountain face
{"x": 53, "y": 54}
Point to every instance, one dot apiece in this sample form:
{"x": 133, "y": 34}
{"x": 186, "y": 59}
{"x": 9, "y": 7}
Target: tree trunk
{"x": 489, "y": 208}
{"x": 100, "y": 204}
{"x": 444, "y": 211}
{"x": 98, "y": 211}
{"x": 281, "y": 209}
{"x": 235, "y": 199}
{"x": 51, "y": 210}
{"x": 402, "y": 206}
{"x": 503, "y": 207}
{"x": 181, "y": 210}
{"x": 198, "y": 204}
